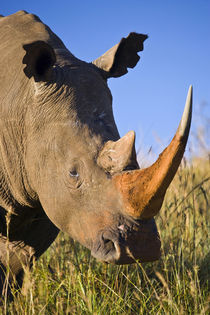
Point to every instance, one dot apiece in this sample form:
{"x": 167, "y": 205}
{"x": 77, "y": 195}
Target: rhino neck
{"x": 14, "y": 187}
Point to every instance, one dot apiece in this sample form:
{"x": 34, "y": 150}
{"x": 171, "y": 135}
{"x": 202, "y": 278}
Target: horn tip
{"x": 185, "y": 123}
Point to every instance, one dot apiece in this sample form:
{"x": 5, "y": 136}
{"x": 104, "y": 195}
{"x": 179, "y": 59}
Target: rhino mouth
{"x": 129, "y": 242}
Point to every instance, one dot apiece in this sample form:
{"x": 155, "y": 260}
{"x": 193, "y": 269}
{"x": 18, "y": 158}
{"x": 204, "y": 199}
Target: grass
{"x": 67, "y": 280}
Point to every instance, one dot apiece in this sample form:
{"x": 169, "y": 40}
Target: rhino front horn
{"x": 143, "y": 190}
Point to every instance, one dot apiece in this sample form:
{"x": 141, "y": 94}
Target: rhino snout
{"x": 127, "y": 243}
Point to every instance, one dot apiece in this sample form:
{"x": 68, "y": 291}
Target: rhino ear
{"x": 122, "y": 56}
{"x": 39, "y": 59}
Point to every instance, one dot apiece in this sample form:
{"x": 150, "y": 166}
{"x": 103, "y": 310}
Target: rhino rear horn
{"x": 117, "y": 156}
{"x": 39, "y": 59}
{"x": 122, "y": 56}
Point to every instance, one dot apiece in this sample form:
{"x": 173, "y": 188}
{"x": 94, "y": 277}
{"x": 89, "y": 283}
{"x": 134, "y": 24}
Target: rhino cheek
{"x": 54, "y": 207}
{"x": 81, "y": 215}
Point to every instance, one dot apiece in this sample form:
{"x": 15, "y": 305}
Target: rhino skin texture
{"x": 56, "y": 116}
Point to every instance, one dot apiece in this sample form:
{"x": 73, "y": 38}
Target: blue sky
{"x": 151, "y": 97}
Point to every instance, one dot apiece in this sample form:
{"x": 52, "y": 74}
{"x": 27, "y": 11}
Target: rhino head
{"x": 86, "y": 178}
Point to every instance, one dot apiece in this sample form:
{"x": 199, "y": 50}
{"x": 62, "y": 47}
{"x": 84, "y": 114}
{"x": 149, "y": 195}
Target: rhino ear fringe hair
{"x": 39, "y": 58}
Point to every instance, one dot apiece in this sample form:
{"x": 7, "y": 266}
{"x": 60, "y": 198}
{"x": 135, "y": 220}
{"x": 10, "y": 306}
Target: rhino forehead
{"x": 79, "y": 101}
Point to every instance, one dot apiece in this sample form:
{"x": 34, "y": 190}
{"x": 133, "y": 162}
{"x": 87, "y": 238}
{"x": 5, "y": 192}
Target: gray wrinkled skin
{"x": 56, "y": 116}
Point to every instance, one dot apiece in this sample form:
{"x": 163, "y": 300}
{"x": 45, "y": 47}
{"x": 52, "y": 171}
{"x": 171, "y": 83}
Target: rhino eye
{"x": 73, "y": 173}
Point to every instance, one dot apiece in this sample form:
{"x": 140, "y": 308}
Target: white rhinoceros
{"x": 63, "y": 165}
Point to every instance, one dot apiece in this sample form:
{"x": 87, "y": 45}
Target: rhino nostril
{"x": 109, "y": 244}
{"x": 108, "y": 251}
{"x": 110, "y": 248}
